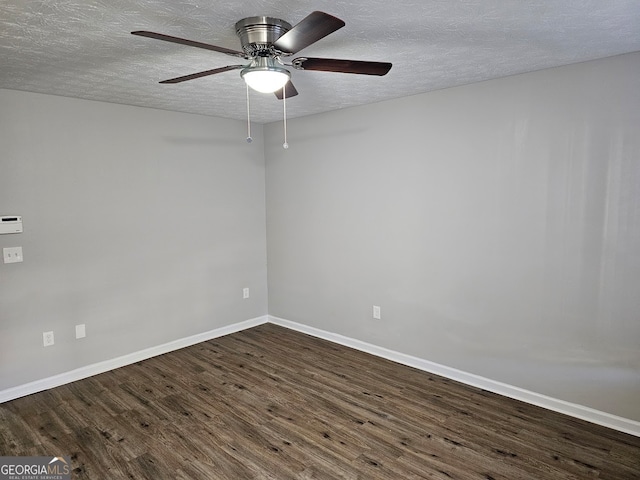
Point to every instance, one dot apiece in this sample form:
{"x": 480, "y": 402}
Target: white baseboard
{"x": 579, "y": 411}
{"x": 101, "y": 367}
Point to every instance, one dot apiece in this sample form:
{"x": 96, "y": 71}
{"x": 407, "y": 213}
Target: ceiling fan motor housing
{"x": 257, "y": 34}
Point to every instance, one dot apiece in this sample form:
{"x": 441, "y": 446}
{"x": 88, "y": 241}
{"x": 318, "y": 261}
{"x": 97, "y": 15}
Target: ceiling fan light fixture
{"x": 265, "y": 76}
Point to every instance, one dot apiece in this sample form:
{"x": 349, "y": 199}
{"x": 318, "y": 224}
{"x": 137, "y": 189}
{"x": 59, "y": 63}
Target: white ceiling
{"x": 83, "y": 48}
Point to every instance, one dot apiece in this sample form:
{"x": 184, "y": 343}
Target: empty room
{"x": 319, "y": 240}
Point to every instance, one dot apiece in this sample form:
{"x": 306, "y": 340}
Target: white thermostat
{"x": 11, "y": 224}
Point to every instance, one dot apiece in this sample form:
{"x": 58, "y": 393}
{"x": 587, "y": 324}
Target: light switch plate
{"x": 12, "y": 254}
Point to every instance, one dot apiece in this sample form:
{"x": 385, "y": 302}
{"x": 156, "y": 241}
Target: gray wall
{"x": 497, "y": 225}
{"x": 144, "y": 225}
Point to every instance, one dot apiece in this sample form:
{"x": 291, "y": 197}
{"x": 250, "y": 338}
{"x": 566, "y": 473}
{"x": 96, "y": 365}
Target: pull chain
{"x": 284, "y": 106}
{"x": 249, "y": 139}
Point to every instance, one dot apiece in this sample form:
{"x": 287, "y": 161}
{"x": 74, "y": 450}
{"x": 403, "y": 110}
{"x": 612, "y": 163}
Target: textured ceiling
{"x": 83, "y": 48}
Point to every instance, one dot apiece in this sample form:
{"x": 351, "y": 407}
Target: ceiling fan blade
{"x": 190, "y": 43}
{"x": 312, "y": 28}
{"x": 342, "y": 66}
{"x": 288, "y": 89}
{"x": 202, "y": 74}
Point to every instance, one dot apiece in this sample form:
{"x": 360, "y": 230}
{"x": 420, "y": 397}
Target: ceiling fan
{"x": 266, "y": 41}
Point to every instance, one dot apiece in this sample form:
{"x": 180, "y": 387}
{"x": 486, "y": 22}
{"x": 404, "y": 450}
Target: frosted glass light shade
{"x": 265, "y": 75}
{"x": 266, "y": 81}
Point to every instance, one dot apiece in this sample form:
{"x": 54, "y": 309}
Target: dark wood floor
{"x": 271, "y": 403}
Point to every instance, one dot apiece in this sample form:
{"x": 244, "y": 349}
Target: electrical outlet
{"x": 81, "y": 332}
{"x": 376, "y": 312}
{"x": 245, "y": 293}
{"x": 47, "y": 339}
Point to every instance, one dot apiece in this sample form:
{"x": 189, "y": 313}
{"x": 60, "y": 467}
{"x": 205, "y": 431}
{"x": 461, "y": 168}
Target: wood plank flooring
{"x": 271, "y": 403}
